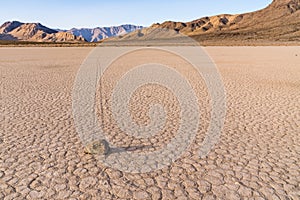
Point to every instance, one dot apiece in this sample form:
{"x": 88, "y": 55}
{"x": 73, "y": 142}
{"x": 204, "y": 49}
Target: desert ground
{"x": 257, "y": 156}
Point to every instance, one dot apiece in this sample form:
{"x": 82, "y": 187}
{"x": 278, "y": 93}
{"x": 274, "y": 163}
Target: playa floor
{"x": 257, "y": 156}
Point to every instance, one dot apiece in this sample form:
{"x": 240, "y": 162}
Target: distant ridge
{"x": 99, "y": 33}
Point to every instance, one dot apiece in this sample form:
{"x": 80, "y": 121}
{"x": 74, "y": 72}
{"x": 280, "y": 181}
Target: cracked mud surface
{"x": 258, "y": 156}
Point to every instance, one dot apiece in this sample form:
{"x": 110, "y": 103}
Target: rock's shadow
{"x": 128, "y": 149}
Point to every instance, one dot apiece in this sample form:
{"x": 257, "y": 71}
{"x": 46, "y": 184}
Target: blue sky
{"x": 67, "y": 14}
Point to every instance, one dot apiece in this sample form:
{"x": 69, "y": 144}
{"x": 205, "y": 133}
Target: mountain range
{"x": 37, "y": 32}
{"x": 278, "y": 22}
{"x": 99, "y": 33}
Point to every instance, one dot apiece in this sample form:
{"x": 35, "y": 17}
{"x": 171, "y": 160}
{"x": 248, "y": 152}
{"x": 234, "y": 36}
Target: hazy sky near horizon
{"x": 66, "y": 14}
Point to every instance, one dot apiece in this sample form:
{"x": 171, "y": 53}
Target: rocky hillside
{"x": 34, "y": 32}
{"x": 278, "y": 22}
{"x": 99, "y": 33}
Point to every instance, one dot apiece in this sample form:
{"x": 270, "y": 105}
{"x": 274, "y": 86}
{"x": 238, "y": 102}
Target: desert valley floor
{"x": 257, "y": 157}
